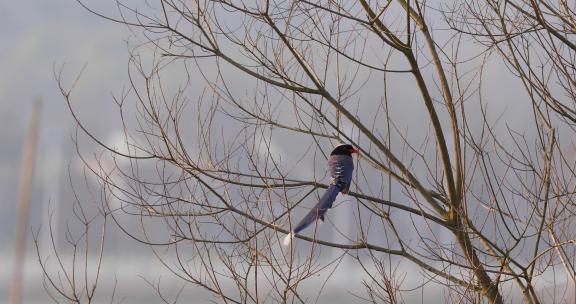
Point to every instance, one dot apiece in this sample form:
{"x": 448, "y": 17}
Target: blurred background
{"x": 40, "y": 38}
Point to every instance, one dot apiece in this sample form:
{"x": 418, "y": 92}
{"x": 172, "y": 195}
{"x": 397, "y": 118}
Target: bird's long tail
{"x": 317, "y": 212}
{"x": 288, "y": 238}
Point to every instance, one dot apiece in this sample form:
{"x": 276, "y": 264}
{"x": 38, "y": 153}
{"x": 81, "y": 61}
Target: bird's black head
{"x": 344, "y": 150}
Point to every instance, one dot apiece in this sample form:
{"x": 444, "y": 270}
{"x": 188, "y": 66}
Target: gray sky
{"x": 37, "y": 36}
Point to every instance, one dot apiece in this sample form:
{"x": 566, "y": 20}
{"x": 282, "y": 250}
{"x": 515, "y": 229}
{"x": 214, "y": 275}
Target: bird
{"x": 340, "y": 168}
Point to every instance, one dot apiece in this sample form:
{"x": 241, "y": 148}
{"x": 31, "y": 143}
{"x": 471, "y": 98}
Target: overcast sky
{"x": 36, "y": 37}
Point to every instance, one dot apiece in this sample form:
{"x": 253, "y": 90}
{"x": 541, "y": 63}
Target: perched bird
{"x": 340, "y": 167}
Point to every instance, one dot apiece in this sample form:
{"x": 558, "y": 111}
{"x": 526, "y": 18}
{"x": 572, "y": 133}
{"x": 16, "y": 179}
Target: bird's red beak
{"x": 355, "y": 150}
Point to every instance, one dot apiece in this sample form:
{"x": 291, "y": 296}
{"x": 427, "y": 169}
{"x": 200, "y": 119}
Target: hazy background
{"x": 38, "y": 37}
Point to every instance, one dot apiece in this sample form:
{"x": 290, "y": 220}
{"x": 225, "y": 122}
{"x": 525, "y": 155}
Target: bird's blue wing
{"x": 320, "y": 209}
{"x": 340, "y": 168}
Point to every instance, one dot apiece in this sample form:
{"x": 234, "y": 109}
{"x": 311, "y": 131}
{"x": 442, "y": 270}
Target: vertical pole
{"x": 26, "y": 179}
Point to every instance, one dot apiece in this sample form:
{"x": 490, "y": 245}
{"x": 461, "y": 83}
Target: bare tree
{"x": 536, "y": 41}
{"x": 483, "y": 210}
{"x": 72, "y": 273}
